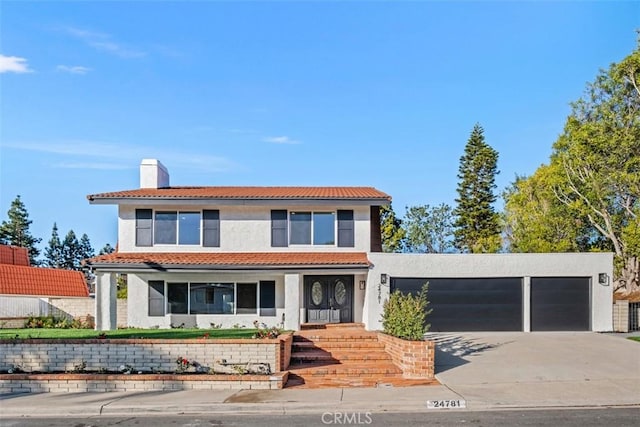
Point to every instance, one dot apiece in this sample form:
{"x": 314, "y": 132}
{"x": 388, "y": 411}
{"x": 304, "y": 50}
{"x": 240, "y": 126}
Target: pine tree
{"x": 53, "y": 252}
{"x": 86, "y": 250}
{"x": 71, "y": 252}
{"x": 477, "y": 225}
{"x": 107, "y": 249}
{"x": 15, "y": 231}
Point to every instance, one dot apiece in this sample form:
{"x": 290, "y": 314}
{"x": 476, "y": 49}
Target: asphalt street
{"x": 619, "y": 417}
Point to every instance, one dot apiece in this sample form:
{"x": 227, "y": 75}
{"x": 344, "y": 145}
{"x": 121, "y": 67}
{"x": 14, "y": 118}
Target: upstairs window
{"x": 317, "y": 228}
{"x": 177, "y": 228}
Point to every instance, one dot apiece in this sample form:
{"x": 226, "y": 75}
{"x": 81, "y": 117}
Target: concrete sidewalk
{"x": 487, "y": 370}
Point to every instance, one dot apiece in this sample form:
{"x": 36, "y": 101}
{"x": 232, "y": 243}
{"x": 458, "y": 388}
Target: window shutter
{"x": 144, "y": 224}
{"x": 345, "y": 229}
{"x": 156, "y": 298}
{"x": 267, "y": 298}
{"x": 211, "y": 229}
{"x": 279, "y": 237}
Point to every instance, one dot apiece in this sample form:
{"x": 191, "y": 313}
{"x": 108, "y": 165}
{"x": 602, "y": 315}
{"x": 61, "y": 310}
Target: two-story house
{"x": 209, "y": 256}
{"x": 232, "y": 255}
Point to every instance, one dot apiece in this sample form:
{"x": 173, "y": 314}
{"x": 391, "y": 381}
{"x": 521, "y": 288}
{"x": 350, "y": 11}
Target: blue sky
{"x": 284, "y": 93}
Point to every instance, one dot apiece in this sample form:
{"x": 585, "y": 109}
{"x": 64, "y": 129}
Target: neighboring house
{"x": 204, "y": 256}
{"x": 24, "y": 290}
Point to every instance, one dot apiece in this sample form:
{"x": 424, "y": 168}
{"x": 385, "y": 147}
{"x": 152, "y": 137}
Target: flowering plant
{"x": 182, "y": 364}
{"x": 265, "y": 332}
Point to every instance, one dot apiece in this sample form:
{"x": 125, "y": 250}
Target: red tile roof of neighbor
{"x": 237, "y": 259}
{"x": 14, "y": 255}
{"x": 41, "y": 282}
{"x": 249, "y": 193}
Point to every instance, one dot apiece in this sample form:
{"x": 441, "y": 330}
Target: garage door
{"x": 482, "y": 304}
{"x": 560, "y": 303}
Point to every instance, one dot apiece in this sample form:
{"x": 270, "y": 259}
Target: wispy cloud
{"x": 103, "y": 155}
{"x": 14, "y": 64}
{"x": 75, "y": 69}
{"x": 104, "y": 42}
{"x": 281, "y": 140}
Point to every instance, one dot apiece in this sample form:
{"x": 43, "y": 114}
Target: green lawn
{"x": 635, "y": 338}
{"x": 127, "y": 333}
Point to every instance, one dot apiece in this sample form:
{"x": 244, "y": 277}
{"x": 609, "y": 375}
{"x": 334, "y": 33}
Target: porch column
{"x": 292, "y": 302}
{"x": 106, "y": 302}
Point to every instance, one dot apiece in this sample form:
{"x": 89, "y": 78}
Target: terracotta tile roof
{"x": 14, "y": 255}
{"x": 249, "y": 193}
{"x": 236, "y": 259}
{"x": 41, "y": 282}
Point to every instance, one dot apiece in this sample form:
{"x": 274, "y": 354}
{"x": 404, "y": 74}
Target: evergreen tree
{"x": 107, "y": 249}
{"x": 15, "y": 231}
{"x": 86, "y": 250}
{"x": 477, "y": 225}
{"x": 53, "y": 252}
{"x": 71, "y": 252}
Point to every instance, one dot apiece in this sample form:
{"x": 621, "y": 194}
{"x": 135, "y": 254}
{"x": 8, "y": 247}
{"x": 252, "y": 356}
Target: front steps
{"x": 342, "y": 355}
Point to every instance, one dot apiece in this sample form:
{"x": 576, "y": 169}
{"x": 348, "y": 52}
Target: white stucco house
{"x": 203, "y": 256}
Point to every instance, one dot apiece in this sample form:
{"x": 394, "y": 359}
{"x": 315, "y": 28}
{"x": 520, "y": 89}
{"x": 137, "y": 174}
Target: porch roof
{"x": 230, "y": 260}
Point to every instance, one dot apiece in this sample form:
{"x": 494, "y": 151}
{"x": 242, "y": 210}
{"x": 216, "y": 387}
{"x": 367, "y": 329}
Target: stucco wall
{"x": 492, "y": 265}
{"x": 243, "y": 229}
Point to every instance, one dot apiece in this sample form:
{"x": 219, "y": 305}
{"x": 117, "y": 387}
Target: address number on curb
{"x": 446, "y": 404}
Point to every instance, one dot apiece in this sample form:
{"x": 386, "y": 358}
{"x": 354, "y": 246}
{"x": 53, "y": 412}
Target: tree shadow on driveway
{"x": 452, "y": 349}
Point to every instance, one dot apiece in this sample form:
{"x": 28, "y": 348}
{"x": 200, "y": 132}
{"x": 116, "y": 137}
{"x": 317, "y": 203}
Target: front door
{"x": 329, "y": 299}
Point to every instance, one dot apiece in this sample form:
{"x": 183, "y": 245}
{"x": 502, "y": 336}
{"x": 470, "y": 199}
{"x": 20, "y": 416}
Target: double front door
{"x": 329, "y": 299}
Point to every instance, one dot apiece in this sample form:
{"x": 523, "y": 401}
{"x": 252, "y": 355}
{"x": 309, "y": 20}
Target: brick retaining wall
{"x": 74, "y": 383}
{"x": 36, "y": 357}
{"x": 415, "y": 358}
{"x": 50, "y": 355}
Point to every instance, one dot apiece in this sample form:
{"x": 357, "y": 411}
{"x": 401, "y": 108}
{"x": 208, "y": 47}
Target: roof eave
{"x": 111, "y": 266}
{"x": 141, "y": 201}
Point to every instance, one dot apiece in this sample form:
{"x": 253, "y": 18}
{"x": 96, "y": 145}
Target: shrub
{"x": 404, "y": 315}
{"x": 50, "y": 322}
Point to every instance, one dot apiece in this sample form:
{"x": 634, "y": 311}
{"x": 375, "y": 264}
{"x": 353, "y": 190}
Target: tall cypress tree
{"x": 477, "y": 225}
{"x": 15, "y": 231}
{"x": 53, "y": 252}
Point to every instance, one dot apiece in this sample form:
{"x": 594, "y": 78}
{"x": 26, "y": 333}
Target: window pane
{"x": 165, "y": 228}
{"x": 177, "y": 298}
{"x": 300, "y": 228}
{"x": 247, "y": 298}
{"x": 189, "y": 227}
{"x": 267, "y": 298}
{"x": 212, "y": 298}
{"x": 324, "y": 228}
{"x": 156, "y": 298}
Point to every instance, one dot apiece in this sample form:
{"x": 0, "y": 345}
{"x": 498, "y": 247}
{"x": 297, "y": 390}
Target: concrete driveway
{"x": 515, "y": 369}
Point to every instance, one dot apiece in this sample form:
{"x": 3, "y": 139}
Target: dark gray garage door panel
{"x": 486, "y": 304}
{"x": 560, "y": 303}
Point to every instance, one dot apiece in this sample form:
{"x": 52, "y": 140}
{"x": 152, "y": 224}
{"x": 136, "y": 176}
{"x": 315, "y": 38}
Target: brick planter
{"x": 45, "y": 357}
{"x": 415, "y": 358}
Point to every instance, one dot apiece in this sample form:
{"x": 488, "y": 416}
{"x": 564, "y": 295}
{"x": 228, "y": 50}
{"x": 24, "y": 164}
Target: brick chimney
{"x": 153, "y": 174}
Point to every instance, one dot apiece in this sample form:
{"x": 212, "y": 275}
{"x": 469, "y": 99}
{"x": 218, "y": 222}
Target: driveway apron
{"x": 542, "y": 369}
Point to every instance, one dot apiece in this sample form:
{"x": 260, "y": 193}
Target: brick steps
{"x": 336, "y": 355}
{"x": 340, "y": 356}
